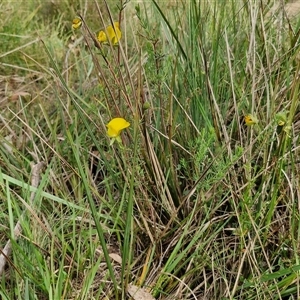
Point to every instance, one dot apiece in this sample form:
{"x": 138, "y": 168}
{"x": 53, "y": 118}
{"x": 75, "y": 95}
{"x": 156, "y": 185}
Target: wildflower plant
{"x": 195, "y": 197}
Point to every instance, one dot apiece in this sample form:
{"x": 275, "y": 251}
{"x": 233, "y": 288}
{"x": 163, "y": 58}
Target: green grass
{"x": 192, "y": 204}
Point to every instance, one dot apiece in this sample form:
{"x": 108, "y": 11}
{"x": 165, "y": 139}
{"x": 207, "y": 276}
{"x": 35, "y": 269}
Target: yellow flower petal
{"x": 115, "y": 126}
{"x": 250, "y": 120}
{"x": 76, "y": 23}
{"x": 111, "y": 132}
{"x": 112, "y": 33}
{"x": 102, "y": 37}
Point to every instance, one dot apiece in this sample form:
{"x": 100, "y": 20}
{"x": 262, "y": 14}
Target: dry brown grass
{"x": 293, "y": 8}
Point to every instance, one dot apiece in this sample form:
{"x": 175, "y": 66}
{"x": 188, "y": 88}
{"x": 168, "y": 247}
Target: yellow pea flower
{"x": 250, "y": 120}
{"x": 113, "y": 33}
{"x": 102, "y": 37}
{"x": 76, "y": 23}
{"x": 115, "y": 127}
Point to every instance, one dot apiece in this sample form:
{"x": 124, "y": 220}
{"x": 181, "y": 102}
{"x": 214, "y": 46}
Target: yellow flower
{"x": 250, "y": 120}
{"x": 112, "y": 32}
{"x": 76, "y": 23}
{"x": 115, "y": 126}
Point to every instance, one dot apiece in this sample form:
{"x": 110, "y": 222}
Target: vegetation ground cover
{"x": 198, "y": 198}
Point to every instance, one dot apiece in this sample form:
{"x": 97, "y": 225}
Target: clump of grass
{"x": 192, "y": 204}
